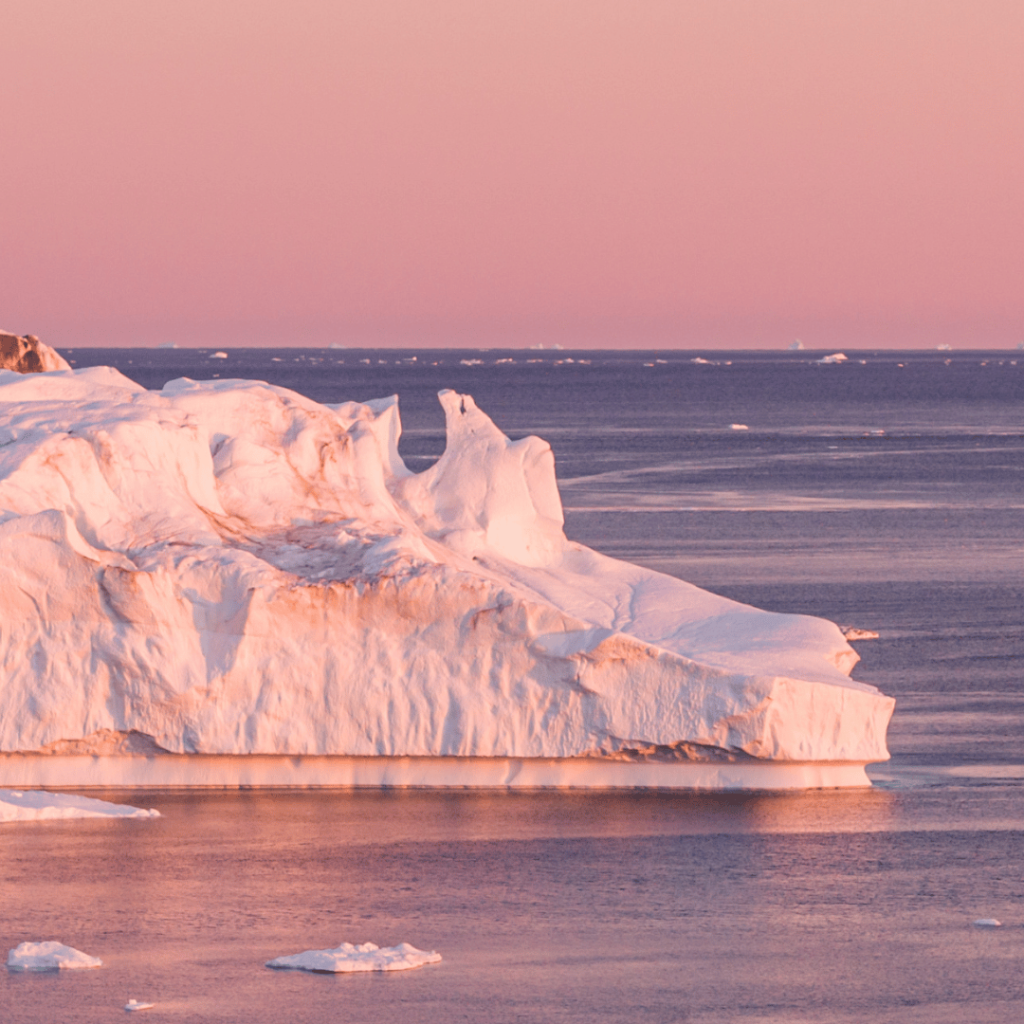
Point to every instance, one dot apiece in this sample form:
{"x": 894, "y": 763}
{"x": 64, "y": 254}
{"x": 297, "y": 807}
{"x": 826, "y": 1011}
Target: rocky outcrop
{"x": 28, "y": 355}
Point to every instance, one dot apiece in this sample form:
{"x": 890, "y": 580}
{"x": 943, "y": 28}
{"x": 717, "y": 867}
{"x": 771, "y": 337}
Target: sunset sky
{"x": 634, "y": 173}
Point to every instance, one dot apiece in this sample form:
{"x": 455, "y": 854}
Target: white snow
{"x": 350, "y": 959}
{"x": 40, "y": 805}
{"x": 49, "y": 956}
{"x": 230, "y": 568}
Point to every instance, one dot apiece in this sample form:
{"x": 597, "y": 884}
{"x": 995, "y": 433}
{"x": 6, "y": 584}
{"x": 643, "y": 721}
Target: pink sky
{"x": 467, "y": 172}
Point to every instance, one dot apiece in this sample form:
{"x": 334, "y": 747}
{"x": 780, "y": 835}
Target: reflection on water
{"x": 560, "y": 907}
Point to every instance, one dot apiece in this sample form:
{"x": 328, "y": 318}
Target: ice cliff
{"x": 228, "y": 567}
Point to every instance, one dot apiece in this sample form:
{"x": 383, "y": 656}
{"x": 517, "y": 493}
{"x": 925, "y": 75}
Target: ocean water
{"x": 885, "y": 493}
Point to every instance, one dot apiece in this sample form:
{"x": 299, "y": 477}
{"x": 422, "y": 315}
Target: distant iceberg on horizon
{"x": 229, "y": 568}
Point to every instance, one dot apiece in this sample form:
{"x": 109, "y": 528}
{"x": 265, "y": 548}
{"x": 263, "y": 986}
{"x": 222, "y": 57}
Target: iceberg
{"x": 18, "y": 805}
{"x": 49, "y": 956}
{"x": 354, "y": 959}
{"x": 228, "y": 568}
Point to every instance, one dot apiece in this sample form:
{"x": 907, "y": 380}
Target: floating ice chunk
{"x": 945, "y": 348}
{"x": 738, "y": 426}
{"x": 38, "y": 805}
{"x": 471, "y": 362}
{"x": 49, "y": 956}
{"x": 133, "y": 1004}
{"x": 836, "y": 357}
{"x": 219, "y": 355}
{"x": 349, "y": 959}
{"x": 987, "y": 922}
{"x": 700, "y": 361}
{"x": 853, "y": 633}
{"x": 796, "y": 346}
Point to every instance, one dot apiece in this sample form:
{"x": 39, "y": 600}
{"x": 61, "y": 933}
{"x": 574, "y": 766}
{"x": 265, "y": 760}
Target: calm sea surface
{"x": 885, "y": 493}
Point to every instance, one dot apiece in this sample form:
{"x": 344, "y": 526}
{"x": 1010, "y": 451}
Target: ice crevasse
{"x": 228, "y": 567}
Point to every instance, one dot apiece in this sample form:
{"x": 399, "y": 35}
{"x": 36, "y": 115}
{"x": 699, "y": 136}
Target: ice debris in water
{"x": 39, "y": 805}
{"x": 853, "y": 633}
{"x": 49, "y": 956}
{"x": 133, "y": 1004}
{"x": 349, "y": 959}
{"x": 987, "y": 922}
{"x": 738, "y": 426}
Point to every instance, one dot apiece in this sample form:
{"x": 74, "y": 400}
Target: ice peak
{"x": 487, "y": 492}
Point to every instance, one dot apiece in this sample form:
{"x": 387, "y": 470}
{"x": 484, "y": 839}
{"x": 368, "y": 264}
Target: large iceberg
{"x": 227, "y": 567}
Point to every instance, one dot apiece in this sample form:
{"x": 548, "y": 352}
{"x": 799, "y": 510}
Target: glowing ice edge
{"x": 36, "y": 805}
{"x": 49, "y": 956}
{"x": 353, "y": 959}
{"x": 199, "y": 771}
{"x": 228, "y": 568}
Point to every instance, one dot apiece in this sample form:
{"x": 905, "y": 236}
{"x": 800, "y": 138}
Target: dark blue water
{"x": 881, "y": 495}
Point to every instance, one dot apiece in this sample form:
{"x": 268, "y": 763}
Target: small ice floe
{"x": 49, "y": 956}
{"x": 350, "y": 959}
{"x": 219, "y": 355}
{"x": 738, "y": 426}
{"x": 987, "y": 922}
{"x": 133, "y": 1004}
{"x": 471, "y": 362}
{"x": 39, "y": 805}
{"x": 853, "y": 633}
{"x": 700, "y": 361}
{"x": 796, "y": 346}
{"x": 836, "y": 357}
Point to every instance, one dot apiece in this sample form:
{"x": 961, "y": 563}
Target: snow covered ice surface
{"x": 227, "y": 567}
{"x": 49, "y": 956}
{"x": 41, "y": 805}
{"x": 350, "y": 959}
